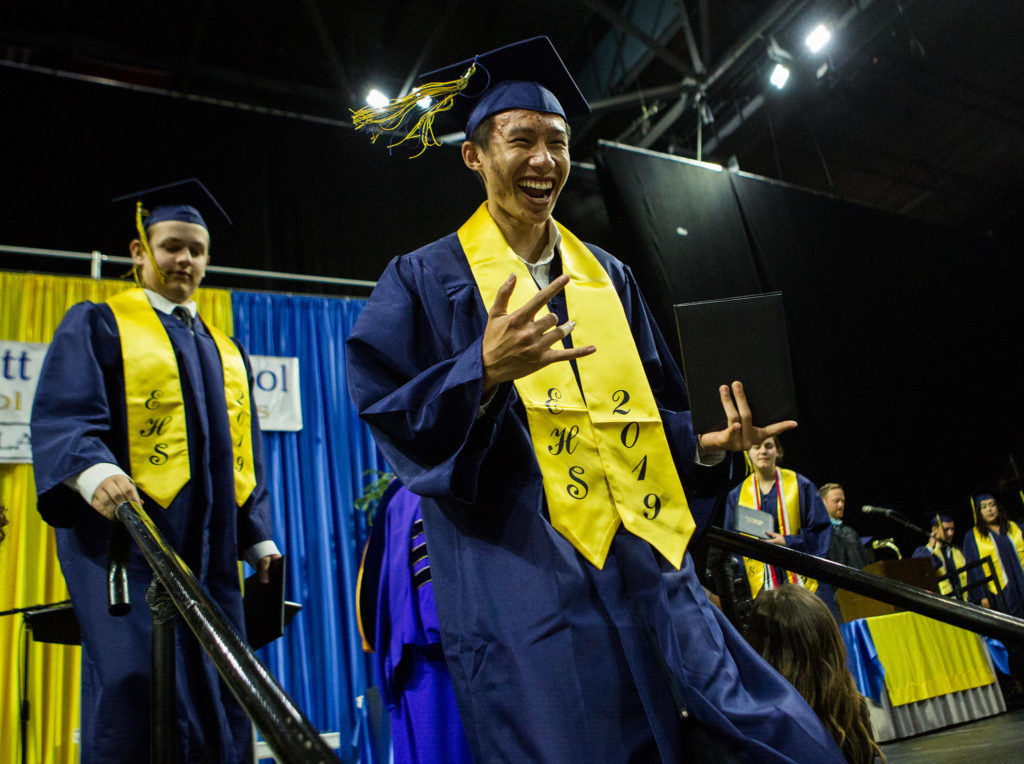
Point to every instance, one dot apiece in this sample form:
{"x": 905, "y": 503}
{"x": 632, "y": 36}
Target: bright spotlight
{"x": 425, "y": 102}
{"x": 780, "y": 75}
{"x": 818, "y": 38}
{"x": 376, "y": 99}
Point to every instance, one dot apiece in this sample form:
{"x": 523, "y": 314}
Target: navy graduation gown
{"x": 551, "y": 658}
{"x": 79, "y": 420}
{"x": 1011, "y": 599}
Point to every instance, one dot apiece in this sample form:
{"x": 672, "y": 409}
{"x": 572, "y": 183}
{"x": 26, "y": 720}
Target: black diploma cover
{"x": 739, "y": 338}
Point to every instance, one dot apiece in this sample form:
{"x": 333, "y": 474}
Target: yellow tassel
{"x": 139, "y": 212}
{"x": 392, "y": 117}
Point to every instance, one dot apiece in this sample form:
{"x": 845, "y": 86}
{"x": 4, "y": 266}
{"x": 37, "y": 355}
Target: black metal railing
{"x": 287, "y": 731}
{"x": 965, "y": 615}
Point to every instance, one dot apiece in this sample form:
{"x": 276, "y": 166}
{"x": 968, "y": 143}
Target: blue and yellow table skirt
{"x": 917, "y": 658}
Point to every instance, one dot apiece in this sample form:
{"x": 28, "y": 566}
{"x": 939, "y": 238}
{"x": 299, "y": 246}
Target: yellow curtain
{"x": 31, "y": 307}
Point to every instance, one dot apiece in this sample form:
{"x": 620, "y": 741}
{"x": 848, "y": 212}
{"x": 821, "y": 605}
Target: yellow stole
{"x": 157, "y": 435}
{"x": 945, "y": 587}
{"x": 602, "y": 450}
{"x": 986, "y": 546}
{"x": 787, "y": 515}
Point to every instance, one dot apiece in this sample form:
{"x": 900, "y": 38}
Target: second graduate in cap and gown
{"x": 141, "y": 386}
{"x": 572, "y": 621}
{"x": 997, "y": 537}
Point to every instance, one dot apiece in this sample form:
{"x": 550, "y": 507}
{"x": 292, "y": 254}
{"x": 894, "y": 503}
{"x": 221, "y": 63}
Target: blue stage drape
{"x": 314, "y": 477}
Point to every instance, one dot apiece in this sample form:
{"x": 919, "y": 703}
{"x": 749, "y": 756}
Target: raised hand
{"x": 740, "y": 433}
{"x": 516, "y": 344}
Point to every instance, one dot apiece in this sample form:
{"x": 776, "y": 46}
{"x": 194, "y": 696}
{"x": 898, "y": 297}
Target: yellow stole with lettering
{"x": 602, "y": 450}
{"x": 157, "y": 435}
{"x": 986, "y": 546}
{"x": 787, "y": 515}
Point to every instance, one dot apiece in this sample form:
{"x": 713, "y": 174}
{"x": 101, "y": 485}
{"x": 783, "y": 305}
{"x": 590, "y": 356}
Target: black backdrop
{"x": 305, "y": 198}
{"x": 904, "y": 336}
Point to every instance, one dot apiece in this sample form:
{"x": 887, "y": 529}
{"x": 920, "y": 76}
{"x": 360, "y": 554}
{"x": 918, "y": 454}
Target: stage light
{"x": 425, "y": 102}
{"x": 376, "y": 99}
{"x": 780, "y": 74}
{"x": 818, "y": 38}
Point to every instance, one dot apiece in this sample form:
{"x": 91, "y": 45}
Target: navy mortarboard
{"x": 524, "y": 75}
{"x": 938, "y": 520}
{"x": 186, "y": 201}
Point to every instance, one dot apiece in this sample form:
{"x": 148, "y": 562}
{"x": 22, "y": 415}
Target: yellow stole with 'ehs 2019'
{"x": 602, "y": 450}
{"x": 157, "y": 435}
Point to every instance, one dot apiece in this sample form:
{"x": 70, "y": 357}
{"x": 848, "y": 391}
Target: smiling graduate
{"x": 516, "y": 382}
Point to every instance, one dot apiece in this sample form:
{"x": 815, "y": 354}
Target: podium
{"x": 916, "y": 572}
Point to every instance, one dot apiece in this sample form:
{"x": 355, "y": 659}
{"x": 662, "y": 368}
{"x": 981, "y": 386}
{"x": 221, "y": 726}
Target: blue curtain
{"x": 314, "y": 477}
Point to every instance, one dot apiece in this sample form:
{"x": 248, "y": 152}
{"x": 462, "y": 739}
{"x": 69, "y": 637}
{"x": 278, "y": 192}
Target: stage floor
{"x": 995, "y": 740}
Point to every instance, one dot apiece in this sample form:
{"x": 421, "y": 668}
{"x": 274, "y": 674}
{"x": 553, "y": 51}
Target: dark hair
{"x": 3, "y": 522}
{"x": 1001, "y": 518}
{"x": 481, "y": 134}
{"x": 794, "y": 631}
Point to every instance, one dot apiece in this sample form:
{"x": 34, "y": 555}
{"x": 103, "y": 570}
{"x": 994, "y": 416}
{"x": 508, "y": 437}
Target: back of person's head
{"x": 795, "y": 632}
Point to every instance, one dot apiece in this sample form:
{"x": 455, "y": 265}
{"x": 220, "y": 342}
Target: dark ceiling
{"x": 918, "y": 108}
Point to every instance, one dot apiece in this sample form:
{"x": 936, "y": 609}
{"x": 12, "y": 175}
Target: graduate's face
{"x": 524, "y": 166}
{"x": 835, "y": 503}
{"x": 764, "y": 455}
{"x": 944, "y": 532}
{"x": 181, "y": 251}
{"x": 989, "y": 510}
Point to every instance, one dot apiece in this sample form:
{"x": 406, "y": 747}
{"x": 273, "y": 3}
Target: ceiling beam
{"x": 691, "y": 42}
{"x": 670, "y": 58}
{"x": 341, "y": 78}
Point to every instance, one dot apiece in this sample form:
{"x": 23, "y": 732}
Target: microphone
{"x": 869, "y": 509}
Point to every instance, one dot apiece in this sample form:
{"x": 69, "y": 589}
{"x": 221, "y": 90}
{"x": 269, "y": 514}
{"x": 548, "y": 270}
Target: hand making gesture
{"x": 516, "y": 344}
{"x": 740, "y": 433}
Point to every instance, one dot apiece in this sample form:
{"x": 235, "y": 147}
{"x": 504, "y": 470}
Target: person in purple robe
{"x": 555, "y": 654}
{"x": 87, "y": 461}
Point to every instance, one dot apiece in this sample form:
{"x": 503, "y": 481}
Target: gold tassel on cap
{"x": 144, "y": 240}
{"x": 391, "y": 118}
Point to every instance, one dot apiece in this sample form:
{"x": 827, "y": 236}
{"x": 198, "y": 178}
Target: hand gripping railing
{"x": 964, "y": 615}
{"x": 288, "y": 732}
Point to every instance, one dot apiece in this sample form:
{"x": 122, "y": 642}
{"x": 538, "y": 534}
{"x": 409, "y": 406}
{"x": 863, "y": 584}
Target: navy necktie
{"x": 181, "y": 313}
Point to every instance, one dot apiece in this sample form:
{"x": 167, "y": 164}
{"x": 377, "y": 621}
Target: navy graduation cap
{"x": 524, "y": 75}
{"x": 187, "y": 201}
